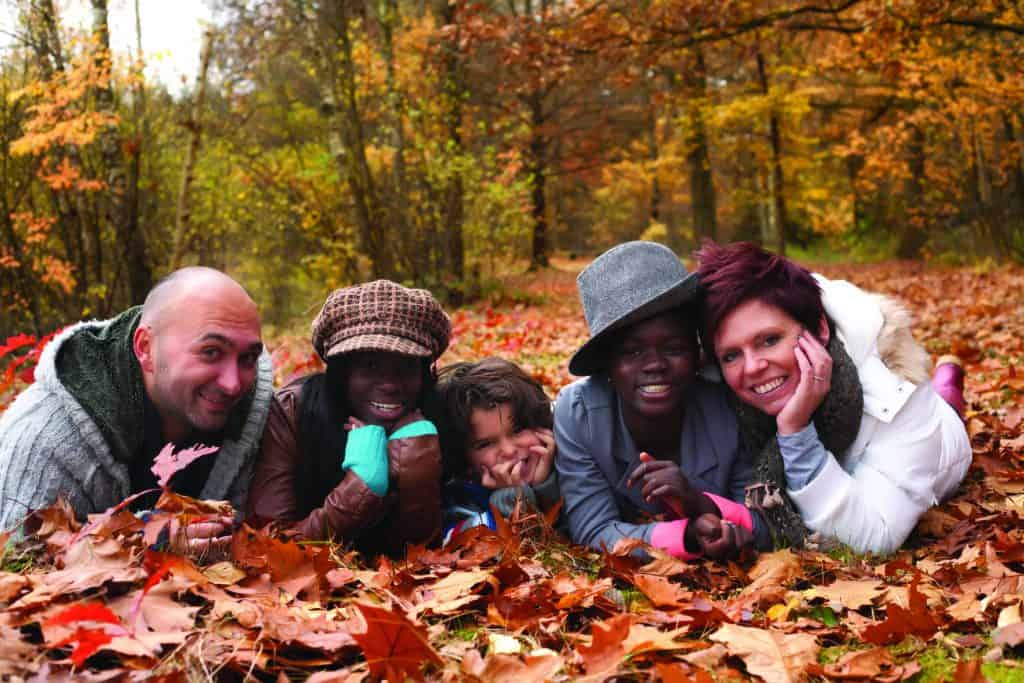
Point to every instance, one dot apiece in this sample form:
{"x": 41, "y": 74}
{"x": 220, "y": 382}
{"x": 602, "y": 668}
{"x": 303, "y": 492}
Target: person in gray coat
{"x": 647, "y": 449}
{"x": 187, "y": 367}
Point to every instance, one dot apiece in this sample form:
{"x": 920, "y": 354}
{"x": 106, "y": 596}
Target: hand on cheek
{"x": 815, "y": 365}
{"x": 544, "y": 453}
{"x": 504, "y": 474}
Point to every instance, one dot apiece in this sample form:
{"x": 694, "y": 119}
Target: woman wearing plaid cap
{"x": 347, "y": 454}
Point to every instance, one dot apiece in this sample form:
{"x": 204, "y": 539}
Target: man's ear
{"x": 142, "y": 345}
{"x": 823, "y": 333}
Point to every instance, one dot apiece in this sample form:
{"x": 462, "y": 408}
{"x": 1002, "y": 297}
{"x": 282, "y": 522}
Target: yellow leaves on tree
{"x": 62, "y": 114}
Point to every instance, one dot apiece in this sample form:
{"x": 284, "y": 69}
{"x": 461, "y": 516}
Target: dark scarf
{"x": 98, "y": 367}
{"x": 837, "y": 421}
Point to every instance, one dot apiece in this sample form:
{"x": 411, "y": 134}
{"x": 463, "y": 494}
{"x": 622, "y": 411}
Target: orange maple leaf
{"x": 900, "y": 622}
{"x": 394, "y": 647}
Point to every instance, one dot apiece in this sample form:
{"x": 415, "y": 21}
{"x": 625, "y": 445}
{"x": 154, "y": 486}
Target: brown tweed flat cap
{"x": 381, "y": 316}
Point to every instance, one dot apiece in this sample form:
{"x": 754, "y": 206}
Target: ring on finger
{"x": 818, "y": 379}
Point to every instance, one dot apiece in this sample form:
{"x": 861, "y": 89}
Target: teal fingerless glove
{"x": 417, "y": 428}
{"x": 366, "y": 454}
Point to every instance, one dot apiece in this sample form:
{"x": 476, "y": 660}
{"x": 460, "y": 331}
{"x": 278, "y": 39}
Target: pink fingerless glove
{"x": 734, "y": 512}
{"x": 668, "y": 536}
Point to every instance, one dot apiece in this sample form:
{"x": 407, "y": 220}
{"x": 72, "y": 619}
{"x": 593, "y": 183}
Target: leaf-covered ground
{"x": 94, "y": 604}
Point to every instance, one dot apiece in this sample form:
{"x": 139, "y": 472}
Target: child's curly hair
{"x": 463, "y": 387}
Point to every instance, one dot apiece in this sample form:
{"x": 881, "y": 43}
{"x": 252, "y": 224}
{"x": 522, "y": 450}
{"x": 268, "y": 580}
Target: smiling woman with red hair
{"x": 850, "y": 440}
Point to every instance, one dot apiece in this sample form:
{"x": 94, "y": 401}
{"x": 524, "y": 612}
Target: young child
{"x": 495, "y": 424}
{"x": 346, "y": 453}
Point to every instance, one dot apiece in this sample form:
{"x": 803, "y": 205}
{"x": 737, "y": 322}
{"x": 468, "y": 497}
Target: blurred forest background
{"x": 441, "y": 142}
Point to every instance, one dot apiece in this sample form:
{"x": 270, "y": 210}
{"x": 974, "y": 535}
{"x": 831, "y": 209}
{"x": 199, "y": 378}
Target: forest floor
{"x": 520, "y": 605}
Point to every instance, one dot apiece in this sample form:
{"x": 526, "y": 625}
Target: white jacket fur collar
{"x": 870, "y": 323}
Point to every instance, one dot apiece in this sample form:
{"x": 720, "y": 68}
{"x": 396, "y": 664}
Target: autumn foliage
{"x": 439, "y": 142}
{"x": 522, "y": 605}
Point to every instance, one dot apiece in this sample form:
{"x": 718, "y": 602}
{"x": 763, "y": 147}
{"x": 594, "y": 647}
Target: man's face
{"x": 200, "y": 362}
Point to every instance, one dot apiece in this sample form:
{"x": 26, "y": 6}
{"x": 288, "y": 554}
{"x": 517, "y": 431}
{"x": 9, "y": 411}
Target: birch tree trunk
{"x": 339, "y": 103}
{"x": 133, "y": 243}
{"x": 120, "y": 201}
{"x": 195, "y": 128}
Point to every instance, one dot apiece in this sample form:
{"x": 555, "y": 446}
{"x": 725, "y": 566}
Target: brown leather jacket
{"x": 410, "y": 512}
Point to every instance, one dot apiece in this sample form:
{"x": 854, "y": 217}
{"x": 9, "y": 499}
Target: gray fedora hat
{"x": 626, "y": 284}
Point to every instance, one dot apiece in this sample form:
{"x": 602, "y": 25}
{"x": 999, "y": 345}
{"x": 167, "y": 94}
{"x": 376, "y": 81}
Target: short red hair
{"x": 736, "y": 273}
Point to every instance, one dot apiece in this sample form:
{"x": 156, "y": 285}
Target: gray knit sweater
{"x": 50, "y": 446}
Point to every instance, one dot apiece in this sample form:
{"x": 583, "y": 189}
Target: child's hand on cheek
{"x": 502, "y": 474}
{"x": 544, "y": 452}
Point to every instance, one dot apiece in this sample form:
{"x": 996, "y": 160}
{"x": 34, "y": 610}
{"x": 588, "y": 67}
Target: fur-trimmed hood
{"x": 869, "y": 323}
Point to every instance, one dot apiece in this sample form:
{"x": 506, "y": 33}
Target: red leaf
{"x": 156, "y": 562}
{"x": 394, "y": 647}
{"x": 167, "y": 463}
{"x": 85, "y": 611}
{"x": 88, "y": 642}
{"x": 155, "y": 577}
{"x": 28, "y": 375}
{"x": 16, "y": 342}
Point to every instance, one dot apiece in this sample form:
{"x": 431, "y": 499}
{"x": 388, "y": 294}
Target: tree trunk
{"x": 1014, "y": 222}
{"x": 339, "y": 104}
{"x": 387, "y": 16}
{"x": 133, "y": 240}
{"x": 195, "y": 128}
{"x": 854, "y": 164}
{"x": 913, "y": 236}
{"x": 653, "y": 154}
{"x": 22, "y": 276}
{"x": 453, "y": 209}
{"x": 120, "y": 201}
{"x": 777, "y": 179}
{"x": 702, "y": 187}
{"x": 422, "y": 235}
{"x": 985, "y": 221}
{"x": 538, "y": 177}
{"x": 67, "y": 205}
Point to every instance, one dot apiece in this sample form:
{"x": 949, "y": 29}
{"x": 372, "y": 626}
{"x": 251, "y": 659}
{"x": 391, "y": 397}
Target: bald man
{"x": 187, "y": 367}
